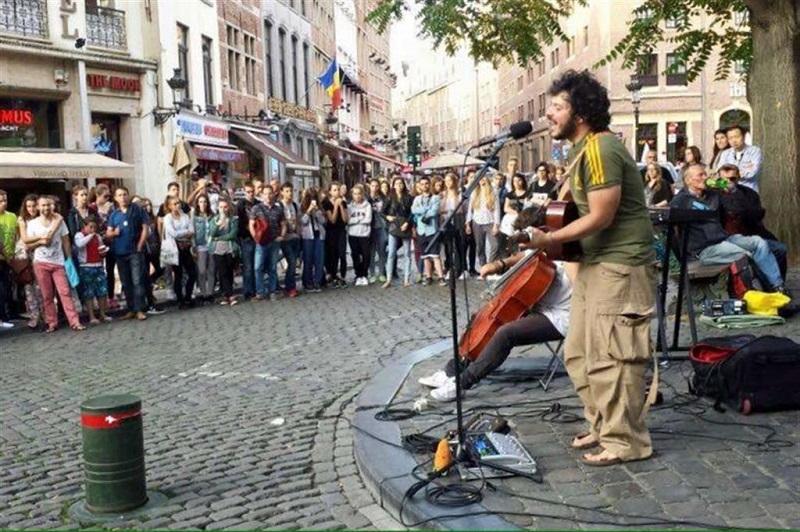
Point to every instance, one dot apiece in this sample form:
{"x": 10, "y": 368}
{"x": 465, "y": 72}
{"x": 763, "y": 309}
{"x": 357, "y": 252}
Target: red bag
{"x": 262, "y": 231}
{"x": 741, "y": 278}
{"x": 22, "y": 270}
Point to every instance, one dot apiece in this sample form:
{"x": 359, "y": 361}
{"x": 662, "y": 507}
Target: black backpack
{"x": 760, "y": 375}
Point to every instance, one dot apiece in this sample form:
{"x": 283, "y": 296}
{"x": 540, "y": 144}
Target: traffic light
{"x": 414, "y": 145}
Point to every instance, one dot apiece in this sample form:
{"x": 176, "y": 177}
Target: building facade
{"x": 76, "y": 87}
{"x": 241, "y": 58}
{"x": 673, "y": 114}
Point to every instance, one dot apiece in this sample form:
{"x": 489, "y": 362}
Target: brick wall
{"x": 245, "y": 16}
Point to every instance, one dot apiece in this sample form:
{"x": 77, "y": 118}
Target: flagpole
{"x": 309, "y": 90}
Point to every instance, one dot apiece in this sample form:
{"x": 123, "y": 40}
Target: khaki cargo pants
{"x": 607, "y": 351}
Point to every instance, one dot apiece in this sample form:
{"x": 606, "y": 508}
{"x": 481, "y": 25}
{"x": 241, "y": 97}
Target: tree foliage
{"x": 519, "y": 30}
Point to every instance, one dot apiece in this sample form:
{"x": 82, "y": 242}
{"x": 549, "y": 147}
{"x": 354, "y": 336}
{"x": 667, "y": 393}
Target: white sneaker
{"x": 6, "y": 325}
{"x": 436, "y": 380}
{"x": 361, "y": 281}
{"x": 446, "y": 393}
{"x": 463, "y": 276}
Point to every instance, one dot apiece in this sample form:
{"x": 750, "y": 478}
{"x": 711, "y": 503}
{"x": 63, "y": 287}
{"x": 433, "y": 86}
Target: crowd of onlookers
{"x": 195, "y": 246}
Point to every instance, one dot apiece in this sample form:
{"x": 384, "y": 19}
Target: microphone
{"x": 516, "y": 131}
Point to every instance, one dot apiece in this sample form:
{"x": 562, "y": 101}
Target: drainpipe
{"x": 86, "y": 116}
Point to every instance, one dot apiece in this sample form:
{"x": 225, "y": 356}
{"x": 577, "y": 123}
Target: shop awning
{"x": 377, "y": 154}
{"x": 61, "y": 164}
{"x": 213, "y": 153}
{"x": 263, "y": 144}
{"x": 360, "y": 154}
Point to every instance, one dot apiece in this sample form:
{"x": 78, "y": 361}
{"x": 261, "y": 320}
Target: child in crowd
{"x": 91, "y": 257}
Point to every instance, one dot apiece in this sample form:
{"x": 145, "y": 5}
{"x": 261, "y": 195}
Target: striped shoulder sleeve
{"x": 603, "y": 162}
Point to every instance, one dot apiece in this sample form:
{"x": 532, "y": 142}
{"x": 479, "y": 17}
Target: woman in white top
{"x": 359, "y": 231}
{"x": 483, "y": 220}
{"x": 179, "y": 227}
{"x": 48, "y": 236}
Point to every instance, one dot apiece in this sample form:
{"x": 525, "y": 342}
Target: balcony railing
{"x": 105, "y": 27}
{"x": 24, "y": 17}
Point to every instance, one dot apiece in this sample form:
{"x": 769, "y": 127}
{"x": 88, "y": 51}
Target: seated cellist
{"x": 547, "y": 321}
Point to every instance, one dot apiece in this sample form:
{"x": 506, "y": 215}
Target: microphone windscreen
{"x": 521, "y": 129}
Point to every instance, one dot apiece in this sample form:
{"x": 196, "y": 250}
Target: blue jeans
{"x": 291, "y": 249}
{"x": 394, "y": 243}
{"x": 130, "y": 272}
{"x": 754, "y": 247}
{"x": 313, "y": 259}
{"x": 267, "y": 258}
{"x": 378, "y": 259}
{"x": 248, "y": 267}
{"x": 779, "y": 249}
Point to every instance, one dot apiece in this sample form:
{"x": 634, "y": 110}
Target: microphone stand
{"x": 447, "y": 231}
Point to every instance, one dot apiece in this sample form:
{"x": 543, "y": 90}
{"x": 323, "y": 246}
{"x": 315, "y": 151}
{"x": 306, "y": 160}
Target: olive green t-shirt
{"x": 605, "y": 163}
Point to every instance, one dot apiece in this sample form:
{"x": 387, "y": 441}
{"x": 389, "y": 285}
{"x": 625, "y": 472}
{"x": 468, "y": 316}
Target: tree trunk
{"x": 774, "y": 94}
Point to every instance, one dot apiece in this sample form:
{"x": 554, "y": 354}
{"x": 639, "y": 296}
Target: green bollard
{"x": 113, "y": 454}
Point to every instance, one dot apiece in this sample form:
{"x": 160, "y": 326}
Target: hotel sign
{"x": 113, "y": 83}
{"x": 291, "y": 110}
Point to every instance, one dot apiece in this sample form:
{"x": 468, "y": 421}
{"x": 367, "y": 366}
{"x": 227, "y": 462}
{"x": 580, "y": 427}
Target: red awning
{"x": 212, "y": 153}
{"x": 265, "y": 145}
{"x": 378, "y": 155}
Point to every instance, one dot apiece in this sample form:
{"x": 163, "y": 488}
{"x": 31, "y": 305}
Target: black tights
{"x": 532, "y": 329}
{"x": 185, "y": 264}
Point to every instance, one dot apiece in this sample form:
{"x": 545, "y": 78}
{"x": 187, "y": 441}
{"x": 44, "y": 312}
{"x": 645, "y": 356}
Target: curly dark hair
{"x": 587, "y": 96}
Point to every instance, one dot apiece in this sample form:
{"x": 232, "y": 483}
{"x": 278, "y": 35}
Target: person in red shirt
{"x": 91, "y": 256}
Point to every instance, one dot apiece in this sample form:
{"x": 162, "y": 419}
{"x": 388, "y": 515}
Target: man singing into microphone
{"x": 608, "y": 342}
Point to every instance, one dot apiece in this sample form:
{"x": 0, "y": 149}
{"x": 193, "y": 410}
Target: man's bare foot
{"x": 601, "y": 459}
{"x": 584, "y": 441}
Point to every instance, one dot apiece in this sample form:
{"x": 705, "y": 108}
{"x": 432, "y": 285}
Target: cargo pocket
{"x": 625, "y": 333}
{"x": 613, "y": 284}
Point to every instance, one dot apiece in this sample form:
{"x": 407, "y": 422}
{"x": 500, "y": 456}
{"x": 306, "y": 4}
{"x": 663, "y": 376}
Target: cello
{"x": 519, "y": 289}
{"x": 526, "y": 282}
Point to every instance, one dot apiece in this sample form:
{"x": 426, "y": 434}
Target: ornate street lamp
{"x": 178, "y": 85}
{"x": 635, "y": 88}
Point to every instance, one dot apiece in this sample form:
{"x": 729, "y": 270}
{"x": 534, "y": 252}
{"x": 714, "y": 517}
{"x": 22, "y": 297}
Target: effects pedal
{"x": 498, "y": 455}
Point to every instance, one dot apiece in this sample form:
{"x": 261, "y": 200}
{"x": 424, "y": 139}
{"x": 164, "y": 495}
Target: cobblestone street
{"x": 214, "y": 382}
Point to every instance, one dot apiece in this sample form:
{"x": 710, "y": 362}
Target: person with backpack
{"x": 268, "y": 229}
{"x": 248, "y": 246}
{"x": 291, "y": 244}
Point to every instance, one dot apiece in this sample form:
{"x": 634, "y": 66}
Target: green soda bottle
{"x": 718, "y": 183}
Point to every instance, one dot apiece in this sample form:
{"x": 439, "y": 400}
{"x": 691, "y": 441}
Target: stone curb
{"x": 386, "y": 470}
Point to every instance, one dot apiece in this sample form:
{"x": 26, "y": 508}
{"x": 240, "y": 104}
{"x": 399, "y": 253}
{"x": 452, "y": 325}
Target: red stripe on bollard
{"x": 107, "y": 421}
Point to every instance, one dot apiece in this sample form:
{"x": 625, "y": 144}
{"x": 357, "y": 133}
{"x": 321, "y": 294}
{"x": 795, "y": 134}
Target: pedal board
{"x": 498, "y": 455}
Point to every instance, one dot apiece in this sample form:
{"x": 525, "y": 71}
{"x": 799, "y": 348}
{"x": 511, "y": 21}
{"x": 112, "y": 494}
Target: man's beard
{"x": 569, "y": 129}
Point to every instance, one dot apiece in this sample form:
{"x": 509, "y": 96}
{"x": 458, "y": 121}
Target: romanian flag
{"x": 333, "y": 84}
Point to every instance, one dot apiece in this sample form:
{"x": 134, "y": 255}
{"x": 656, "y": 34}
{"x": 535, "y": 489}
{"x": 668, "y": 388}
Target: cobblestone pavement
{"x": 718, "y": 469}
{"x": 213, "y": 380}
